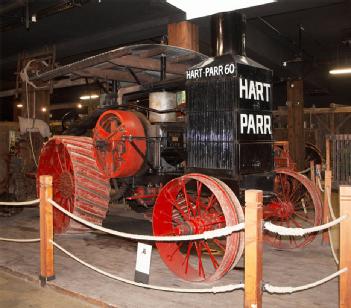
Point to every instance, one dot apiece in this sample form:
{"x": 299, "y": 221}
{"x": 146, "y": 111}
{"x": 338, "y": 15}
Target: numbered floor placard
{"x": 143, "y": 261}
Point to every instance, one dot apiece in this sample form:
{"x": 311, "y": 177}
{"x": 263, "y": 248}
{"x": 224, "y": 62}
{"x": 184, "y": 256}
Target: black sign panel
{"x": 255, "y": 157}
{"x": 254, "y": 88}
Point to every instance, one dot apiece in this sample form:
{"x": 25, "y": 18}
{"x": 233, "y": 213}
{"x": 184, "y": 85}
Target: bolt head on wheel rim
{"x": 193, "y": 204}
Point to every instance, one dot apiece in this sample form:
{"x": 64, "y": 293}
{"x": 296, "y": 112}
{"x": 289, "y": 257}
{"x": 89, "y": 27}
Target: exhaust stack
{"x": 228, "y": 33}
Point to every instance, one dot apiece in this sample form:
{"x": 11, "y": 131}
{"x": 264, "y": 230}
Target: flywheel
{"x": 78, "y": 185}
{"x": 119, "y": 143}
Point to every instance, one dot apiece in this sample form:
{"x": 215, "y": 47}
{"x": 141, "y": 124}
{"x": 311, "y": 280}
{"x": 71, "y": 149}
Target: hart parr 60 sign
{"x": 211, "y": 71}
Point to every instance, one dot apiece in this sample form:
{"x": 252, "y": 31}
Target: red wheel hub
{"x": 199, "y": 225}
{"x": 282, "y": 210}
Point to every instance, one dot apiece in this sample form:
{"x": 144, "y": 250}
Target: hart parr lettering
{"x": 194, "y": 74}
{"x": 211, "y": 71}
{"x": 256, "y": 124}
{"x": 256, "y": 90}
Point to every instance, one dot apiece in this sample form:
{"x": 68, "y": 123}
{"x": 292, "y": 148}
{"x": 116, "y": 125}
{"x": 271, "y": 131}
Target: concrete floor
{"x": 18, "y": 293}
{"x": 282, "y": 268}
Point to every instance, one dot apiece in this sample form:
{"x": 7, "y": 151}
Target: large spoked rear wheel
{"x": 78, "y": 185}
{"x": 193, "y": 204}
{"x": 297, "y": 204}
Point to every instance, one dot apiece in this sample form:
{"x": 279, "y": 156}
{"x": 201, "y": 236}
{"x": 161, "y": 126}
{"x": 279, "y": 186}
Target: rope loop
{"x": 18, "y": 240}
{"x": 215, "y": 289}
{"x": 288, "y": 290}
{"x": 300, "y": 231}
{"x": 140, "y": 237}
{"x": 21, "y": 203}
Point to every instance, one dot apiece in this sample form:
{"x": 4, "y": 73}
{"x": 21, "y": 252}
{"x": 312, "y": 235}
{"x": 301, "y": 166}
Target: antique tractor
{"x": 193, "y": 172}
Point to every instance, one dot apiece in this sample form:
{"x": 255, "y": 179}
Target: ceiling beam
{"x": 11, "y": 5}
{"x": 63, "y": 83}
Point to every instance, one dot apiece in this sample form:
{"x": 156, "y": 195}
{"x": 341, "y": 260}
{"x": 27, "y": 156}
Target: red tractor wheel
{"x": 297, "y": 204}
{"x": 78, "y": 185}
{"x": 193, "y": 204}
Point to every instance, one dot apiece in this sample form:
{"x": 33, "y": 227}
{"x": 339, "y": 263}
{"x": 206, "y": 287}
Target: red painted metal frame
{"x": 282, "y": 158}
{"x": 114, "y": 153}
{"x": 193, "y": 204}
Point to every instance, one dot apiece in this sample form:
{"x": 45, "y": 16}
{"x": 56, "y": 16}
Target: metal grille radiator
{"x": 211, "y": 117}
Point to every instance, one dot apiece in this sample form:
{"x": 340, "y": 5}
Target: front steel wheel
{"x": 193, "y": 204}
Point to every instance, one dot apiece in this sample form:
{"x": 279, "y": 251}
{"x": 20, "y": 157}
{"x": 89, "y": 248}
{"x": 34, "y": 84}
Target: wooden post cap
{"x": 253, "y": 196}
{"x": 345, "y": 192}
{"x": 45, "y": 179}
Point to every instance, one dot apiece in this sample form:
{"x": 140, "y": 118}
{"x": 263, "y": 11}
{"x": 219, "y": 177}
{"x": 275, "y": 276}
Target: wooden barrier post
{"x": 46, "y": 231}
{"x": 253, "y": 248}
{"x": 327, "y": 190}
{"x": 345, "y": 247}
{"x": 313, "y": 171}
{"x": 327, "y": 153}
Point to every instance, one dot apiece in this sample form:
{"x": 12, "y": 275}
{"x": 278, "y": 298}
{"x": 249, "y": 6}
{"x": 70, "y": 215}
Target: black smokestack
{"x": 228, "y": 33}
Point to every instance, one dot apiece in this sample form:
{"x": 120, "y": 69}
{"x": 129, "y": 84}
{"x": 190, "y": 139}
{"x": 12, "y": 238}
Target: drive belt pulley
{"x": 119, "y": 143}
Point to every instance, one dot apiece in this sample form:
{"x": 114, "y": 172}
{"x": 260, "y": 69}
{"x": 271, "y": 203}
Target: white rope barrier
{"x": 22, "y": 203}
{"x": 17, "y": 240}
{"x": 300, "y": 231}
{"x": 319, "y": 184}
{"x": 305, "y": 171}
{"x": 216, "y": 289}
{"x": 204, "y": 236}
{"x": 332, "y": 214}
{"x": 336, "y": 259}
{"x": 281, "y": 290}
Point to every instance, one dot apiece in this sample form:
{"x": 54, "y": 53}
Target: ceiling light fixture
{"x": 43, "y": 109}
{"x": 86, "y": 97}
{"x": 195, "y": 10}
{"x": 80, "y": 106}
{"x": 340, "y": 71}
{"x": 19, "y": 105}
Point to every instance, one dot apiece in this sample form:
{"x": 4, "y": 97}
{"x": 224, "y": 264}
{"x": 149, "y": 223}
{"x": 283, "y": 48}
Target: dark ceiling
{"x": 83, "y": 27}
